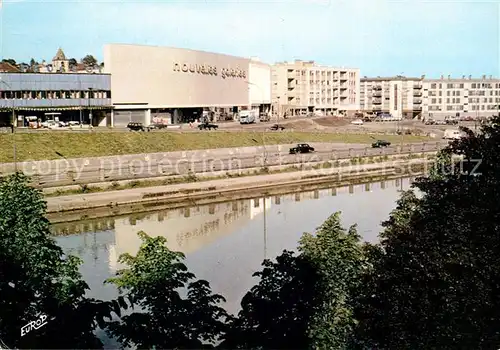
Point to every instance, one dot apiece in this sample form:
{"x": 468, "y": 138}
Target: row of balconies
{"x": 415, "y": 86}
{"x": 379, "y": 94}
{"x": 341, "y": 87}
{"x": 378, "y": 101}
{"x": 378, "y": 108}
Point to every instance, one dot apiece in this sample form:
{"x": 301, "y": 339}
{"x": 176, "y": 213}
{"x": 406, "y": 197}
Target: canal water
{"x": 226, "y": 243}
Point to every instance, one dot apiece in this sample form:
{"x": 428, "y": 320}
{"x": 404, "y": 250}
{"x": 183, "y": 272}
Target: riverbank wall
{"x": 139, "y": 167}
{"x": 233, "y": 188}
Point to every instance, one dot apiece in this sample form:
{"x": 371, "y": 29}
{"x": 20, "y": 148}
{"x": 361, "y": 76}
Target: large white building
{"x": 466, "y": 96}
{"x": 436, "y": 98}
{"x": 178, "y": 84}
{"x": 399, "y": 96}
{"x": 302, "y": 87}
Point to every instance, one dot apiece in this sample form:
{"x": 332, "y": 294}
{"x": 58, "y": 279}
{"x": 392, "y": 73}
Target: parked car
{"x": 277, "y": 127}
{"x": 209, "y": 126}
{"x": 301, "y": 148}
{"x": 380, "y": 144}
{"x": 451, "y": 120}
{"x": 136, "y": 126}
{"x": 157, "y": 126}
{"x": 73, "y": 123}
{"x": 357, "y": 122}
{"x": 452, "y": 134}
{"x": 430, "y": 122}
{"x": 49, "y": 124}
{"x": 264, "y": 117}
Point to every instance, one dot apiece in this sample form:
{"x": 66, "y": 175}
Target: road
{"x": 66, "y": 172}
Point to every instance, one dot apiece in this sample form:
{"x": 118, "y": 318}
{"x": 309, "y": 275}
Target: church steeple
{"x": 60, "y": 56}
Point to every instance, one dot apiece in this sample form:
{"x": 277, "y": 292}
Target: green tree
{"x": 434, "y": 281}
{"x": 152, "y": 282}
{"x": 72, "y": 62}
{"x": 338, "y": 256}
{"x": 10, "y": 61}
{"x": 277, "y": 311}
{"x": 36, "y": 277}
{"x": 304, "y": 301}
{"x": 89, "y": 60}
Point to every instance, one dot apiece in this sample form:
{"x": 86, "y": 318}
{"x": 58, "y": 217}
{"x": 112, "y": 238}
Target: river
{"x": 225, "y": 243}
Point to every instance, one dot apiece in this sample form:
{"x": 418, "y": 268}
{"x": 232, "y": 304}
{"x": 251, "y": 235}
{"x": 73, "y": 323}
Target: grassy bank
{"x": 40, "y": 146}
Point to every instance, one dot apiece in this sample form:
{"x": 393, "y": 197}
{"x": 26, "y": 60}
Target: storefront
{"x": 177, "y": 85}
{"x": 85, "y": 98}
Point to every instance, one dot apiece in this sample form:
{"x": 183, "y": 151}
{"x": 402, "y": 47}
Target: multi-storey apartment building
{"x": 399, "y": 96}
{"x": 302, "y": 87}
{"x": 464, "y": 96}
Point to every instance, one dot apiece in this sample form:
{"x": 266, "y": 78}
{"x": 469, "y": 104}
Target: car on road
{"x": 277, "y": 127}
{"x": 381, "y": 144}
{"x": 157, "y": 126}
{"x": 136, "y": 126}
{"x": 209, "y": 126}
{"x": 301, "y": 148}
{"x": 357, "y": 122}
{"x": 452, "y": 134}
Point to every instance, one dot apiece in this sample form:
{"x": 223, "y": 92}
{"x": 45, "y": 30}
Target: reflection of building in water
{"x": 258, "y": 206}
{"x": 98, "y": 225}
{"x": 186, "y": 229}
{"x": 254, "y": 208}
{"x": 189, "y": 229}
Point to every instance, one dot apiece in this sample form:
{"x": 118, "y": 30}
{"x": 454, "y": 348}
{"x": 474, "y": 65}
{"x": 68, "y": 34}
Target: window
{"x": 433, "y": 85}
{"x": 473, "y": 86}
{"x": 433, "y": 101}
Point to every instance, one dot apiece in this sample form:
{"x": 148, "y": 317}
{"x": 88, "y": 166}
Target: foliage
{"x": 10, "y": 61}
{"x": 303, "y": 301}
{"x": 37, "y": 278}
{"x": 166, "y": 320}
{"x": 89, "y": 60}
{"x": 276, "y": 312}
{"x": 72, "y": 62}
{"x": 434, "y": 281}
{"x": 338, "y": 256}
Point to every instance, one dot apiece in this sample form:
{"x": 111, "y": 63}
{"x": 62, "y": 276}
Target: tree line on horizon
{"x": 88, "y": 60}
{"x": 432, "y": 281}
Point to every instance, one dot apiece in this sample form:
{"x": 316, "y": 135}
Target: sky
{"x": 380, "y": 37}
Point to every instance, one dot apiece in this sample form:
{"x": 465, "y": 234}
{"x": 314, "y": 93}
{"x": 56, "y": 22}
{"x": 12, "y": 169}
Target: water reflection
{"x": 225, "y": 243}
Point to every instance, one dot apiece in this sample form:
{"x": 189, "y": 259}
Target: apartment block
{"x": 400, "y": 96}
{"x": 464, "y": 96}
{"x": 302, "y": 87}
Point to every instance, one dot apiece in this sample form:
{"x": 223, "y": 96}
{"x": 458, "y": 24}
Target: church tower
{"x": 60, "y": 63}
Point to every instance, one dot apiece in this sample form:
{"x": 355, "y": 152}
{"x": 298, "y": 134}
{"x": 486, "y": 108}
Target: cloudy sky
{"x": 381, "y": 37}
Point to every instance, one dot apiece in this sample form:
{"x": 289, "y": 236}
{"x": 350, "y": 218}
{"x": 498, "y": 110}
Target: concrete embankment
{"x": 84, "y": 171}
{"x": 234, "y": 188}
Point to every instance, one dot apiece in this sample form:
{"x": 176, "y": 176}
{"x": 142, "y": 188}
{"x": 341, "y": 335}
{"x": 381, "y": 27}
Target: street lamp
{"x": 90, "y": 110}
{"x": 14, "y": 122}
